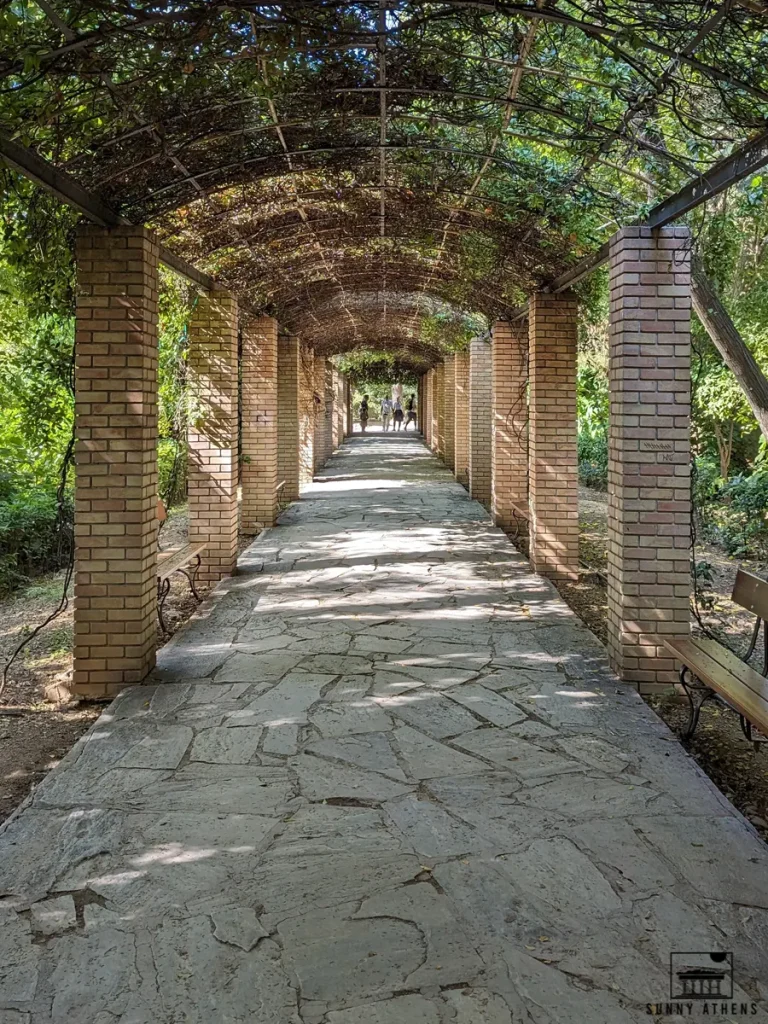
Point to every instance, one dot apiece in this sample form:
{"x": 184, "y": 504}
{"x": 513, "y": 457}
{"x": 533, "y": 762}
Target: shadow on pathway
{"x": 383, "y": 777}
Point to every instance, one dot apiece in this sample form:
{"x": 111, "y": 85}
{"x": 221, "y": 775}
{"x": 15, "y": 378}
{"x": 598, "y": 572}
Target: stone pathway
{"x": 384, "y": 777}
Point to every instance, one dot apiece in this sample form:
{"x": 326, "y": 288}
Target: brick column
{"x": 420, "y": 403}
{"x": 259, "y": 424}
{"x": 115, "y": 459}
{"x": 348, "y": 410}
{"x": 323, "y": 410}
{"x": 553, "y": 461}
{"x": 509, "y": 424}
{"x": 212, "y": 435}
{"x": 433, "y": 410}
{"x": 306, "y": 415}
{"x": 649, "y": 579}
{"x": 480, "y": 398}
{"x": 288, "y": 416}
{"x": 461, "y": 419}
{"x": 449, "y": 411}
{"x": 330, "y": 403}
{"x": 426, "y": 418}
{"x": 338, "y": 408}
{"x": 440, "y": 408}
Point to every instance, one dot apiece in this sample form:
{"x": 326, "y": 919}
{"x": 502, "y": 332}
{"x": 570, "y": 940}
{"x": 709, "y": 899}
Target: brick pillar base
{"x": 115, "y": 459}
{"x": 259, "y": 424}
{"x": 509, "y": 434}
{"x": 212, "y": 477}
{"x": 288, "y": 425}
{"x": 553, "y": 454}
{"x": 449, "y": 411}
{"x": 306, "y": 415}
{"x": 649, "y": 578}
{"x": 480, "y": 397}
{"x": 461, "y": 419}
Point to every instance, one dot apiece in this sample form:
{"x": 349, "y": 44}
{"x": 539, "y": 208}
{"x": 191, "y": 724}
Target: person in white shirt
{"x": 386, "y": 412}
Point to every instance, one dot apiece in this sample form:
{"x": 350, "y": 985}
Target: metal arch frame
{"x": 726, "y": 172}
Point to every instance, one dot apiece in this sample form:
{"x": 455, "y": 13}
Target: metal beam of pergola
{"x": 62, "y": 185}
{"x": 739, "y": 165}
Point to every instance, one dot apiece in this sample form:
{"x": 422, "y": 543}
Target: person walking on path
{"x": 410, "y": 408}
{"x": 386, "y": 412}
{"x": 364, "y": 413}
{"x": 398, "y": 414}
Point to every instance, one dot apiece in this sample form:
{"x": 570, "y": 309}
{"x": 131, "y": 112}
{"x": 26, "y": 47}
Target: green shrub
{"x": 172, "y": 471}
{"x": 707, "y": 482}
{"x": 593, "y": 460}
{"x": 736, "y": 514}
{"x": 30, "y": 540}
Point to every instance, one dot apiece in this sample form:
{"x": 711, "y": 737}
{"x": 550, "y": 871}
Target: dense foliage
{"x": 36, "y": 363}
{"x": 730, "y": 481}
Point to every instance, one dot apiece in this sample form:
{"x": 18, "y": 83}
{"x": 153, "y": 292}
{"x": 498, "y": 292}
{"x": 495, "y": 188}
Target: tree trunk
{"x": 724, "y": 448}
{"x": 730, "y": 344}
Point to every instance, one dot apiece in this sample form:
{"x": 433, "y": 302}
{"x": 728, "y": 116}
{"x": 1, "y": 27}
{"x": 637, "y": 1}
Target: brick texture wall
{"x": 259, "y": 423}
{"x": 648, "y": 452}
{"x": 322, "y": 419}
{"x": 115, "y": 459}
{"x": 440, "y": 409}
{"x": 553, "y": 461}
{"x": 449, "y": 411}
{"x": 509, "y": 425}
{"x": 338, "y": 409}
{"x": 306, "y": 415}
{"x": 461, "y": 419}
{"x": 429, "y": 412}
{"x": 348, "y": 411}
{"x": 330, "y": 400}
{"x": 212, "y": 477}
{"x": 480, "y": 397}
{"x": 288, "y": 418}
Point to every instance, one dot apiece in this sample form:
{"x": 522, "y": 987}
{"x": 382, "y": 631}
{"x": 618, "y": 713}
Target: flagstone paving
{"x": 383, "y": 777}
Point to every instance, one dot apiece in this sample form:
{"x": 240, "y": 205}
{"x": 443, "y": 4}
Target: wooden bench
{"x": 185, "y": 560}
{"x": 711, "y": 671}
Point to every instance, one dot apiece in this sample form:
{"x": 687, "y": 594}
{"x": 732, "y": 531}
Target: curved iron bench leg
{"x": 695, "y": 702}
{"x": 192, "y": 577}
{"x": 163, "y": 588}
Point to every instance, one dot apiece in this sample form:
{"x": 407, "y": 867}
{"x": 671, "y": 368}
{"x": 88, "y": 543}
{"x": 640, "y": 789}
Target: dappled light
{"x": 383, "y": 757}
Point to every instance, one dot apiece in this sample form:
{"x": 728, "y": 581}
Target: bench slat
{"x": 751, "y": 593}
{"x": 173, "y": 559}
{"x": 749, "y": 698}
{"x": 733, "y": 664}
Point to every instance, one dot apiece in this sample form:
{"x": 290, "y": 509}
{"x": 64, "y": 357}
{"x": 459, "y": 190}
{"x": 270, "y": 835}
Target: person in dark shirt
{"x": 410, "y": 408}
